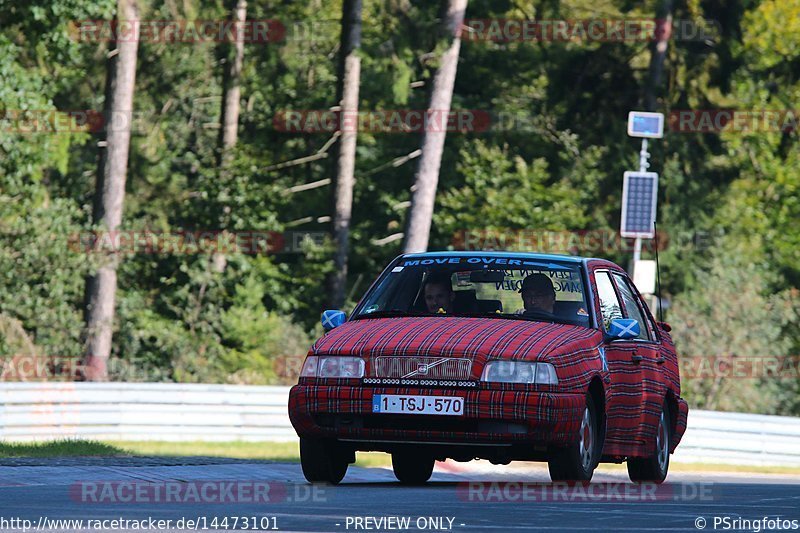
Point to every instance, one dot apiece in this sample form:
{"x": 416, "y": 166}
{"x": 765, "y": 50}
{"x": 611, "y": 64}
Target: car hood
{"x": 478, "y": 339}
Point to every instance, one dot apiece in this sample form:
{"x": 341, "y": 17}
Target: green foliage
{"x": 772, "y": 33}
{"x": 41, "y": 276}
{"x": 552, "y": 160}
{"x": 729, "y": 329}
{"x": 503, "y": 191}
{"x": 261, "y": 337}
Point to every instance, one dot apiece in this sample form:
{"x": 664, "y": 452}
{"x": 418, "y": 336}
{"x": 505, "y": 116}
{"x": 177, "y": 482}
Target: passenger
{"x": 538, "y": 294}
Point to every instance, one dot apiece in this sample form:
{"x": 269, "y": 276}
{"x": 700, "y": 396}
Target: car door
{"x": 624, "y": 408}
{"x": 648, "y": 355}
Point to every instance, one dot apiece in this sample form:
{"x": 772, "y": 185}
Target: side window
{"x": 632, "y": 307}
{"x": 609, "y": 304}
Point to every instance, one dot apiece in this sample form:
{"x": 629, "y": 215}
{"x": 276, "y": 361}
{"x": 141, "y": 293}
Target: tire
{"x": 410, "y": 468}
{"x": 577, "y": 461}
{"x": 654, "y": 469}
{"x": 322, "y": 461}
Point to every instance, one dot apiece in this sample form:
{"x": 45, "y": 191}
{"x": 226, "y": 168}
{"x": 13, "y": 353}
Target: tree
{"x": 427, "y": 176}
{"x": 731, "y": 333}
{"x": 658, "y": 53}
{"x": 349, "y": 81}
{"x": 110, "y": 192}
{"x": 231, "y": 94}
{"x": 231, "y": 84}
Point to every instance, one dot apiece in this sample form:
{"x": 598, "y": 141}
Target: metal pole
{"x": 643, "y": 157}
{"x": 637, "y": 255}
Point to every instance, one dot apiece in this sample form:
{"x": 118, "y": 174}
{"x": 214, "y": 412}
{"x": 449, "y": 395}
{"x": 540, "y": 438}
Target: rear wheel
{"x": 577, "y": 461}
{"x": 654, "y": 468}
{"x": 322, "y": 461}
{"x": 410, "y": 468}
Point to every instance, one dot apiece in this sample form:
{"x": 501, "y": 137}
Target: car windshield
{"x": 493, "y": 287}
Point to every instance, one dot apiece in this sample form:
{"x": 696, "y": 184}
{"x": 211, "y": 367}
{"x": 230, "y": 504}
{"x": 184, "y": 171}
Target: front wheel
{"x": 322, "y": 461}
{"x": 410, "y": 468}
{"x": 577, "y": 461}
{"x": 654, "y": 468}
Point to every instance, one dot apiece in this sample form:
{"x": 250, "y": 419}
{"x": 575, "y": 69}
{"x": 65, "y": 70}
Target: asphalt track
{"x": 455, "y": 500}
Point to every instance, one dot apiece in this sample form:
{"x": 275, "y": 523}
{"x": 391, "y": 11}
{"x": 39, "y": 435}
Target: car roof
{"x": 525, "y": 255}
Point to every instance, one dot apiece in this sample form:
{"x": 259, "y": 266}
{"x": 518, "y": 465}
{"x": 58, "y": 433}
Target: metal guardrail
{"x": 187, "y": 412}
{"x": 144, "y": 411}
{"x": 740, "y": 438}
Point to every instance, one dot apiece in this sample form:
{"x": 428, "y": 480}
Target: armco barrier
{"x": 185, "y": 412}
{"x": 144, "y": 411}
{"x": 740, "y": 438}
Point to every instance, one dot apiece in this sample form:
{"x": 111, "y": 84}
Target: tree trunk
{"x": 231, "y": 84}
{"x": 658, "y": 54}
{"x": 350, "y": 77}
{"x": 110, "y": 194}
{"x": 229, "y": 113}
{"x": 427, "y": 176}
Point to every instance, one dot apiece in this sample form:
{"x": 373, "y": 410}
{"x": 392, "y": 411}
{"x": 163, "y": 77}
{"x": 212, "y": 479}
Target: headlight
{"x": 332, "y": 367}
{"x": 519, "y": 372}
{"x": 309, "y": 369}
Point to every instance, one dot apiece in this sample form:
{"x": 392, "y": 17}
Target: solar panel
{"x": 639, "y": 191}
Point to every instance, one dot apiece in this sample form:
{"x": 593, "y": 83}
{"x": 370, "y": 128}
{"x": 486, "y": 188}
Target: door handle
{"x": 636, "y": 358}
{"x": 660, "y": 361}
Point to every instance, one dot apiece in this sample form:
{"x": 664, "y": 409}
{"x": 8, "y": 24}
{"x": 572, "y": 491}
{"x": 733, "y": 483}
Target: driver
{"x": 538, "y": 294}
{"x": 439, "y": 294}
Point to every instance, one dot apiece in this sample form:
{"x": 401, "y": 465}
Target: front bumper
{"x": 490, "y": 416}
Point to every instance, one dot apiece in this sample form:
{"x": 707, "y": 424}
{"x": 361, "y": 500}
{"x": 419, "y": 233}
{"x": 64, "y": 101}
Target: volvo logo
{"x": 424, "y": 368}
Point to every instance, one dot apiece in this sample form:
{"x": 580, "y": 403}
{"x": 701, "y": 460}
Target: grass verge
{"x": 272, "y": 451}
{"x": 59, "y": 448}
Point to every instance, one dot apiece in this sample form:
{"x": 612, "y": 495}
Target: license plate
{"x": 417, "y": 405}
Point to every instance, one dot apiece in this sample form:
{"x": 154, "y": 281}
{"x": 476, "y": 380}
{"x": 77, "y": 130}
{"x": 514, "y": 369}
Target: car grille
{"x": 422, "y": 367}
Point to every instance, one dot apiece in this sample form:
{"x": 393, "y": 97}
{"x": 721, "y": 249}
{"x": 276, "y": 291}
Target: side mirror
{"x": 333, "y": 318}
{"x": 623, "y": 328}
{"x": 666, "y": 327}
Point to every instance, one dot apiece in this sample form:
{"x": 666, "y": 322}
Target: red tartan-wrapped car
{"x": 500, "y": 356}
